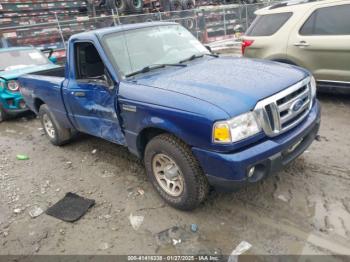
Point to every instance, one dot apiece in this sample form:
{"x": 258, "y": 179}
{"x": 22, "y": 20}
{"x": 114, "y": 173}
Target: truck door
{"x": 91, "y": 95}
{"x": 320, "y": 42}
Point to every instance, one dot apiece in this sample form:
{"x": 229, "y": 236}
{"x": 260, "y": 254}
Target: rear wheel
{"x": 54, "y": 132}
{"x": 175, "y": 173}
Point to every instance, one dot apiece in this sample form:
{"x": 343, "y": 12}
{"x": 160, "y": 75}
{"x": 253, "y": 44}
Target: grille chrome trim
{"x": 287, "y": 105}
{"x": 277, "y": 116}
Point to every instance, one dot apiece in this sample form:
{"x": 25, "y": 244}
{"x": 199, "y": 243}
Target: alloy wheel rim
{"x": 48, "y": 126}
{"x": 168, "y": 174}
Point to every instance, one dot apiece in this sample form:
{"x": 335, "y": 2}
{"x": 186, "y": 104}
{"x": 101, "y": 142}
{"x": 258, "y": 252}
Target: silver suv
{"x": 314, "y": 35}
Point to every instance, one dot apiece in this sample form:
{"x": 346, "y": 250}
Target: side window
{"x": 88, "y": 62}
{"x": 334, "y": 20}
{"x": 266, "y": 25}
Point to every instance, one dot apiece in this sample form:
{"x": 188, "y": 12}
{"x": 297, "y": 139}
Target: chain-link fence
{"x": 208, "y": 24}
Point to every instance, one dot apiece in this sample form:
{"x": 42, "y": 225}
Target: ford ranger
{"x": 196, "y": 119}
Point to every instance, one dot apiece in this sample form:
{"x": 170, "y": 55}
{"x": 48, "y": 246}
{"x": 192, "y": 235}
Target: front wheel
{"x": 175, "y": 173}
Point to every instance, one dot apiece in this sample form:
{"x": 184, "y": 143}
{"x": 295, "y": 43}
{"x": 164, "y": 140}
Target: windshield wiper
{"x": 152, "y": 67}
{"x": 192, "y": 57}
{"x": 212, "y": 54}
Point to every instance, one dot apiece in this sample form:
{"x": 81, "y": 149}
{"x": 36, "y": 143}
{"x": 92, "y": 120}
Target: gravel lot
{"x": 302, "y": 210}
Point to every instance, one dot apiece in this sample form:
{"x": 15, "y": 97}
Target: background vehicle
{"x": 13, "y": 63}
{"x": 49, "y": 24}
{"x": 313, "y": 35}
{"x": 195, "y": 118}
{"x": 135, "y": 6}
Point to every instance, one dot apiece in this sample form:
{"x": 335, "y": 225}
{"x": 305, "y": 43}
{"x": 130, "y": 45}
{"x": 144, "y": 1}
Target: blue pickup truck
{"x": 196, "y": 119}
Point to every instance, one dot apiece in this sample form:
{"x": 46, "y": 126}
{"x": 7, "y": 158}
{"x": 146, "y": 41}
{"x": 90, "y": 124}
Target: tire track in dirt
{"x": 333, "y": 245}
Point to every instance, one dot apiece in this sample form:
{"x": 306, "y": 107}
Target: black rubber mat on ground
{"x": 70, "y": 208}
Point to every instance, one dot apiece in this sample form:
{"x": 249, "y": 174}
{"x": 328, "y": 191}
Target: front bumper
{"x": 13, "y": 112}
{"x": 12, "y": 103}
{"x": 229, "y": 171}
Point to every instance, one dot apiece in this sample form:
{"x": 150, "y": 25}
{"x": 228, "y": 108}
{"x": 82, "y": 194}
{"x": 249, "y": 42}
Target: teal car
{"x": 15, "y": 62}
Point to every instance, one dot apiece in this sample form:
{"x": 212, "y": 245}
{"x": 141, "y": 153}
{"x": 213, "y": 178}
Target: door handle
{"x": 301, "y": 44}
{"x": 78, "y": 94}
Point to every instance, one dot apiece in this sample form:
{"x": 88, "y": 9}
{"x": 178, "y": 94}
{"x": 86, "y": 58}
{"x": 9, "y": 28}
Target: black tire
{"x": 120, "y": 5}
{"x": 61, "y": 135}
{"x": 195, "y": 184}
{"x": 135, "y": 6}
{"x": 188, "y": 4}
{"x": 175, "y": 5}
{"x": 3, "y": 115}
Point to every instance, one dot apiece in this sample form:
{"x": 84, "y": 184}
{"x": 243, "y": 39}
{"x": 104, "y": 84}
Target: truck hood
{"x": 13, "y": 74}
{"x": 233, "y": 84}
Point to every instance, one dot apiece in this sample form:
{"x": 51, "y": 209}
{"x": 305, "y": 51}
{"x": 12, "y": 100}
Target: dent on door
{"x": 105, "y": 111}
{"x": 95, "y": 113}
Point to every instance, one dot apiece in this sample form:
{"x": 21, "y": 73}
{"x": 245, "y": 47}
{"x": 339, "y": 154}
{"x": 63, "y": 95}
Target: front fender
{"x": 187, "y": 117}
{"x": 193, "y": 129}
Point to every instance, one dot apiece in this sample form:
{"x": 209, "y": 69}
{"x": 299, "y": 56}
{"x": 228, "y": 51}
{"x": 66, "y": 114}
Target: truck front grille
{"x": 286, "y": 109}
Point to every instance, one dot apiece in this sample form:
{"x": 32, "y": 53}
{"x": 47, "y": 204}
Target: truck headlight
{"x": 13, "y": 86}
{"x": 313, "y": 87}
{"x": 235, "y": 129}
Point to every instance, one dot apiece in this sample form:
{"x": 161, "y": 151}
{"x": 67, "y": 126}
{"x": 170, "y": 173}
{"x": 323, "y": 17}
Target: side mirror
{"x": 53, "y": 59}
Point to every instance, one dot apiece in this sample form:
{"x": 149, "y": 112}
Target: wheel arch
{"x": 150, "y": 132}
{"x": 37, "y": 104}
{"x": 284, "y": 60}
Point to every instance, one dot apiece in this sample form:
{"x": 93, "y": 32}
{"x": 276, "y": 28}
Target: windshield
{"x": 134, "y": 50}
{"x": 17, "y": 59}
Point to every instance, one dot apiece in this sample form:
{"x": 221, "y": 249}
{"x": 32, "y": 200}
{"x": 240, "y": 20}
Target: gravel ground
{"x": 302, "y": 210}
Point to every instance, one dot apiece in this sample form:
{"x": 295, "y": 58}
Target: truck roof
{"x": 294, "y": 6}
{"x": 119, "y": 28}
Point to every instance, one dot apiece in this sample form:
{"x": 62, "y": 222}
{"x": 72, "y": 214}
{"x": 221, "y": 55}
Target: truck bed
{"x": 46, "y": 87}
{"x": 56, "y": 72}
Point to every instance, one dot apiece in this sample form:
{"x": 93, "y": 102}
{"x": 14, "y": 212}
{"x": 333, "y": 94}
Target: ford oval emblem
{"x": 297, "y": 105}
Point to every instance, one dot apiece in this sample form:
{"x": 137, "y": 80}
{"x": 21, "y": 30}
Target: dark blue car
{"x": 196, "y": 119}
